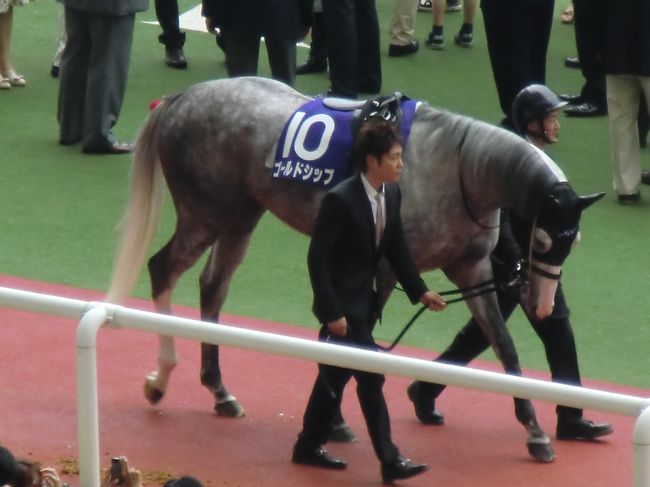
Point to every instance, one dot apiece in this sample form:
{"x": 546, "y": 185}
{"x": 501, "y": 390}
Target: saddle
{"x": 387, "y": 107}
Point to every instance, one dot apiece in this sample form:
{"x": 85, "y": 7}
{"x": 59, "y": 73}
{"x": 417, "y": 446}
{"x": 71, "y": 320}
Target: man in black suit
{"x": 350, "y": 236}
{"x": 517, "y": 33}
{"x": 353, "y": 49}
{"x": 242, "y": 24}
{"x": 172, "y": 37}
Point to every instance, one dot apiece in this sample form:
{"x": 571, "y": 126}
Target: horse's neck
{"x": 506, "y": 172}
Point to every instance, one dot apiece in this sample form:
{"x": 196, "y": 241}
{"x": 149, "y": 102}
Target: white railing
{"x": 93, "y": 315}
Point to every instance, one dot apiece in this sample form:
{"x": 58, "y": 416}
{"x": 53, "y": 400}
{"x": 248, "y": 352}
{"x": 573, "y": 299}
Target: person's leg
{"x": 242, "y": 53}
{"x": 401, "y": 31}
{"x": 368, "y": 72}
{"x": 589, "y": 37}
{"x": 282, "y": 59}
{"x": 321, "y": 408}
{"x": 643, "y": 120}
{"x": 317, "y": 59}
{"x": 465, "y": 36}
{"x": 61, "y": 40}
{"x": 436, "y": 38}
{"x": 339, "y": 20}
{"x": 375, "y": 412}
{"x": 108, "y": 68}
{"x": 73, "y": 77}
{"x": 171, "y": 37}
{"x": 6, "y": 26}
{"x": 623, "y": 92}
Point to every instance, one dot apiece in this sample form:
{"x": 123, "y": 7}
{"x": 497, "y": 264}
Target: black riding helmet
{"x": 532, "y": 103}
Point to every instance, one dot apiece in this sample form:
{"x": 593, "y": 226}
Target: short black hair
{"x": 375, "y": 137}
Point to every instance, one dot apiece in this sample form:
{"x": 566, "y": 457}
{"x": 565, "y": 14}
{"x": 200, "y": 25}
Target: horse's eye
{"x": 541, "y": 241}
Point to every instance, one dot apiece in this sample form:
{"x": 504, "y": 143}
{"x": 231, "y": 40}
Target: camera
{"x": 116, "y": 470}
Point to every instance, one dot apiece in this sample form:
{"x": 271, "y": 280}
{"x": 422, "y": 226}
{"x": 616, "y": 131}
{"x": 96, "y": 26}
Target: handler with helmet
{"x": 535, "y": 115}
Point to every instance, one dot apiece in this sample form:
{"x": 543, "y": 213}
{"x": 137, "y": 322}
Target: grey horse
{"x": 212, "y": 145}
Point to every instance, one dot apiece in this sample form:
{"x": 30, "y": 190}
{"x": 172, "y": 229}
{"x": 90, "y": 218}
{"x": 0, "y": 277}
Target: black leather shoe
{"x": 581, "y": 429}
{"x": 317, "y": 458}
{"x": 571, "y": 99}
{"x": 586, "y": 109}
{"x": 425, "y": 408}
{"x": 645, "y": 177}
{"x": 395, "y": 50}
{"x": 402, "y": 468}
{"x": 628, "y": 199}
{"x": 572, "y": 62}
{"x": 312, "y": 66}
{"x": 116, "y": 148}
{"x": 174, "y": 58}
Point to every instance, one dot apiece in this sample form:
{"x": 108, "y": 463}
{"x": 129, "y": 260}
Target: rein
{"x": 477, "y": 291}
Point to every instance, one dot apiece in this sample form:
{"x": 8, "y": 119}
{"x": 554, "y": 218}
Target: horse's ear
{"x": 587, "y": 201}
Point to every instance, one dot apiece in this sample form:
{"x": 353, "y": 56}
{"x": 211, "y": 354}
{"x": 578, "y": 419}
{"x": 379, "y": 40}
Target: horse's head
{"x": 553, "y": 235}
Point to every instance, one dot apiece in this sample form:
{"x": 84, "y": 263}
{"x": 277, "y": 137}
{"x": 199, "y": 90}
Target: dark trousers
{"x": 242, "y": 55}
{"x": 517, "y": 34}
{"x": 555, "y": 332}
{"x": 352, "y": 32}
{"x": 324, "y": 403}
{"x": 94, "y": 71}
{"x": 590, "y": 34}
{"x": 318, "y": 45}
{"x": 167, "y": 15}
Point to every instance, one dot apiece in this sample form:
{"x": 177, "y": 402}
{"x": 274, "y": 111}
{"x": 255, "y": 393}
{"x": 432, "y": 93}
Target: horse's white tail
{"x": 140, "y": 220}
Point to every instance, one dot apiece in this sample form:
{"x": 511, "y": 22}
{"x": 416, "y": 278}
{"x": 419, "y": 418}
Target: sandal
{"x": 567, "y": 15}
{"x": 17, "y": 80}
{"x": 5, "y": 84}
{"x": 425, "y": 5}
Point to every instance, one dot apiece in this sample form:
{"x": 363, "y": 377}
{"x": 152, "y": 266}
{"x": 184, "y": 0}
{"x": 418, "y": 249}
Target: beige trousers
{"x": 623, "y": 96}
{"x": 401, "y": 31}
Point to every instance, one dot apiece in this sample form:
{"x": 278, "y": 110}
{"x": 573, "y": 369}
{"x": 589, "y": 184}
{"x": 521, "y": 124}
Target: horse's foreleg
{"x": 486, "y": 311}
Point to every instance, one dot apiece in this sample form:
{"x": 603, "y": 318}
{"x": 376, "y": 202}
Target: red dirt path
{"x": 480, "y": 445}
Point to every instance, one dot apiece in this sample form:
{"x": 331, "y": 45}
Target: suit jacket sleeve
{"x": 398, "y": 254}
{"x": 327, "y": 230}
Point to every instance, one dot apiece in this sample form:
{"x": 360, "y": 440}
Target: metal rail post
{"x": 641, "y": 445}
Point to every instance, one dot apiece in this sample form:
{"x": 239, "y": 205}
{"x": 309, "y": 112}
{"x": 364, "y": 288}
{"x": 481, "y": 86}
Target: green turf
{"x": 60, "y": 208}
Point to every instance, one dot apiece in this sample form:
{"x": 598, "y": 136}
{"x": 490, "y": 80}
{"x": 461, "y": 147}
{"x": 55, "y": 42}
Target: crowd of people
{"x": 613, "y": 48}
{"x": 16, "y": 472}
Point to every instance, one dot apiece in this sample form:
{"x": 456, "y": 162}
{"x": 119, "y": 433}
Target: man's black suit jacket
{"x": 343, "y": 258}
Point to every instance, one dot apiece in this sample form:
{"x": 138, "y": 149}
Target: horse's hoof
{"x": 229, "y": 408}
{"x": 152, "y": 393}
{"x": 541, "y": 450}
{"x": 341, "y": 433}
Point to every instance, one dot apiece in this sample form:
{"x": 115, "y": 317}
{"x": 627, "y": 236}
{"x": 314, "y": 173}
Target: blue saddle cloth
{"x": 314, "y": 147}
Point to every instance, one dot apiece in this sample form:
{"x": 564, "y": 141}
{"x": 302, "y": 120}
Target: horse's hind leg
{"x": 225, "y": 257}
{"x": 165, "y": 267}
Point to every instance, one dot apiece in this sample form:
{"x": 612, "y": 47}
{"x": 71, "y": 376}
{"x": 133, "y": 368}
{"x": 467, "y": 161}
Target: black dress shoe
{"x": 571, "y": 99}
{"x": 312, "y": 65}
{"x": 586, "y": 109}
{"x": 402, "y": 468}
{"x": 628, "y": 199}
{"x": 645, "y": 177}
{"x": 572, "y": 62}
{"x": 317, "y": 458}
{"x": 54, "y": 71}
{"x": 581, "y": 429}
{"x": 425, "y": 409}
{"x": 174, "y": 58}
{"x": 69, "y": 141}
{"x": 395, "y": 50}
{"x": 115, "y": 148}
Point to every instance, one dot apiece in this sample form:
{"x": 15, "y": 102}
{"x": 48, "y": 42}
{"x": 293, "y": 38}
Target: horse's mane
{"x": 493, "y": 156}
